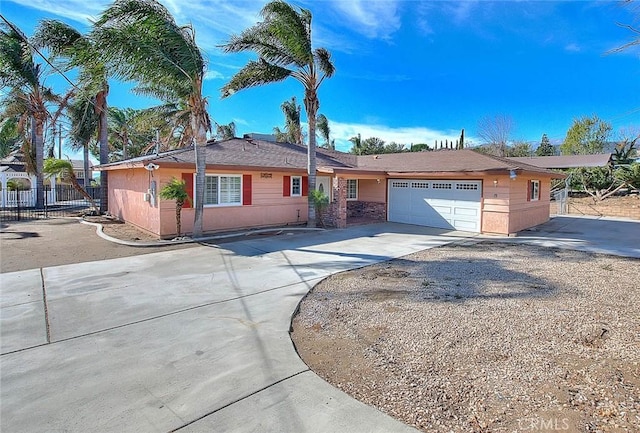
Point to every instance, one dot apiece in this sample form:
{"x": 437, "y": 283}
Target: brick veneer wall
{"x": 367, "y": 209}
{"x": 632, "y": 211}
{"x": 336, "y": 213}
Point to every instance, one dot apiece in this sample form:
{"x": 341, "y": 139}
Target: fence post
{"x": 46, "y": 202}
{"x": 18, "y": 202}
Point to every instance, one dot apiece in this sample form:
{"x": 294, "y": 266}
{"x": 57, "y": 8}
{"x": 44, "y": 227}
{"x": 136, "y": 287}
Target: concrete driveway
{"x": 597, "y": 235}
{"x": 191, "y": 340}
{"x": 197, "y": 340}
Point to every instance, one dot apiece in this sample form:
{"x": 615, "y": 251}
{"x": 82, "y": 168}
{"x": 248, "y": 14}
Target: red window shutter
{"x": 286, "y": 186}
{"x": 188, "y": 182}
{"x": 528, "y": 190}
{"x": 246, "y": 190}
{"x": 305, "y": 186}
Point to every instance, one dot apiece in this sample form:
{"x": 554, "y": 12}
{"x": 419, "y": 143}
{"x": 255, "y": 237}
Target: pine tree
{"x": 545, "y": 148}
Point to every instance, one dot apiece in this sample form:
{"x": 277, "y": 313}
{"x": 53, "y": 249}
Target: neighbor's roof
{"x": 566, "y": 161}
{"x": 258, "y": 154}
{"x": 440, "y": 161}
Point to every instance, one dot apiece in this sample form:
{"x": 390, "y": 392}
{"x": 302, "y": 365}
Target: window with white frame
{"x": 223, "y": 190}
{"x": 534, "y": 193}
{"x": 296, "y": 186}
{"x": 352, "y": 189}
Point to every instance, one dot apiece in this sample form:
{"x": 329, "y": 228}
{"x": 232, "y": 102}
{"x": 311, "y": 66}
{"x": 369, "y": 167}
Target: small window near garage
{"x": 296, "y": 186}
{"x": 467, "y": 186}
{"x": 534, "y": 190}
{"x": 352, "y": 189}
{"x": 421, "y": 185}
{"x": 442, "y": 185}
{"x": 396, "y": 184}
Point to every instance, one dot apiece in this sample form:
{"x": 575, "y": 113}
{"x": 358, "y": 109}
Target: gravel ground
{"x": 485, "y": 338}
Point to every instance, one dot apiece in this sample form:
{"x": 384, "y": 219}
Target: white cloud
{"x": 213, "y": 75}
{"x": 77, "y": 10}
{"x": 574, "y": 48}
{"x": 373, "y": 19}
{"x": 406, "y": 135}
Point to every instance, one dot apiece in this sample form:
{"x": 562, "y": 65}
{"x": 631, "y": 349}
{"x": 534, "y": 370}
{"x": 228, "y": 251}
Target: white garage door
{"x": 447, "y": 204}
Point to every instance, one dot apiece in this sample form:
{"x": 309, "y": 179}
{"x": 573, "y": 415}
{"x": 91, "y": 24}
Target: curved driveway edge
{"x": 185, "y": 340}
{"x": 188, "y": 240}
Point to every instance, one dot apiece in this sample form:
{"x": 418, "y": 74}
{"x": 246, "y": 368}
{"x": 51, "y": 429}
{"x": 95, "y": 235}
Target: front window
{"x": 296, "y": 186}
{"x": 352, "y": 189}
{"x": 535, "y": 190}
{"x": 223, "y": 190}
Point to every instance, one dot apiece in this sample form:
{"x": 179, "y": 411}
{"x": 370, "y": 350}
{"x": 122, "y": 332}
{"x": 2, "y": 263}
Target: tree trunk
{"x": 103, "y": 140}
{"x": 199, "y": 124}
{"x": 76, "y": 185}
{"x": 38, "y": 125}
{"x": 85, "y": 164}
{"x": 125, "y": 141}
{"x": 311, "y": 105}
{"x": 179, "y": 217}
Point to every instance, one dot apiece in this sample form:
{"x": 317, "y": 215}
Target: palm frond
{"x": 142, "y": 42}
{"x": 17, "y": 68}
{"x": 323, "y": 58}
{"x": 255, "y": 73}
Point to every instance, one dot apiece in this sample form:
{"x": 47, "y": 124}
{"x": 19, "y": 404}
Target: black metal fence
{"x": 63, "y": 200}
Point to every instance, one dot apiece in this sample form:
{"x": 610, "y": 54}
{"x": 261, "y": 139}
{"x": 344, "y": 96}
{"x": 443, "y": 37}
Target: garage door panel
{"x": 447, "y": 204}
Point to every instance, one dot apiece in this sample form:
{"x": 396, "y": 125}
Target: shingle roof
{"x": 566, "y": 161}
{"x": 238, "y": 152}
{"x": 249, "y": 153}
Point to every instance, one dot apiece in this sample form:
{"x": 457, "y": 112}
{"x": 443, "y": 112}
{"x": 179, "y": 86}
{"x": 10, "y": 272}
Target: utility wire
{"x": 34, "y": 48}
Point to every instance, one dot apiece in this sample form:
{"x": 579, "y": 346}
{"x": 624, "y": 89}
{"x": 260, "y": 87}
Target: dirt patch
{"x": 62, "y": 241}
{"x": 121, "y": 230}
{"x": 484, "y": 338}
{"x": 617, "y": 206}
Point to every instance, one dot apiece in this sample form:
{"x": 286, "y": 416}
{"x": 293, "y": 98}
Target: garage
{"x": 446, "y": 204}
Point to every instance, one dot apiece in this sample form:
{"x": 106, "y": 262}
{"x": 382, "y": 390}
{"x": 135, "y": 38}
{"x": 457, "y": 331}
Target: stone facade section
{"x": 367, "y": 209}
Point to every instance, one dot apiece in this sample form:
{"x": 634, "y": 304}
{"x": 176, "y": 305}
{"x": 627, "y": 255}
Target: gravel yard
{"x": 487, "y": 337}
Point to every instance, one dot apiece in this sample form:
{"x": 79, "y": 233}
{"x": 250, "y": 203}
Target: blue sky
{"x": 417, "y": 71}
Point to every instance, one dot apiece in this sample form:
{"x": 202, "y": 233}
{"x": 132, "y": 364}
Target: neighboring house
{"x": 13, "y": 168}
{"x": 563, "y": 162}
{"x": 255, "y": 183}
{"x": 78, "y": 170}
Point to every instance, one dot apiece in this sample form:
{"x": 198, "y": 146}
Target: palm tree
{"x": 176, "y": 190}
{"x": 84, "y": 124}
{"x": 325, "y": 131}
{"x": 23, "y": 77}
{"x": 357, "y": 144}
{"x": 226, "y": 132}
{"x": 284, "y": 47}
{"x": 141, "y": 42}
{"x": 79, "y": 51}
{"x": 292, "y": 129}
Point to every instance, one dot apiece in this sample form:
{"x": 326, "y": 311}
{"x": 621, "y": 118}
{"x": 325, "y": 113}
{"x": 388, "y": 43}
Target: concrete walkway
{"x": 191, "y": 340}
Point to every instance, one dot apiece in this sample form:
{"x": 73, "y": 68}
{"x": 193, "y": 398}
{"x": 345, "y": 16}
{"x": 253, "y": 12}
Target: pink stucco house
{"x": 256, "y": 183}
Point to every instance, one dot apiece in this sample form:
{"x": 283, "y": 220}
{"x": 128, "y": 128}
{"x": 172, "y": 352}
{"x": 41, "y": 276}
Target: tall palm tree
{"x": 142, "y": 42}
{"x": 284, "y": 47}
{"x": 79, "y": 51}
{"x": 84, "y": 124}
{"x": 23, "y": 77}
